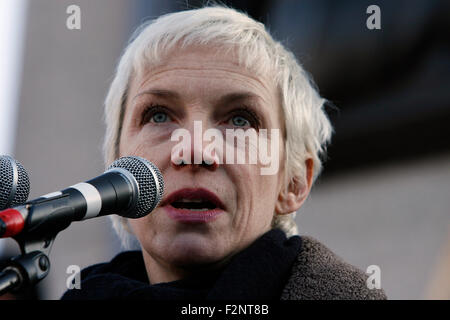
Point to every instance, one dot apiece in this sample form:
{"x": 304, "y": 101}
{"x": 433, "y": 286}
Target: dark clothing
{"x": 273, "y": 267}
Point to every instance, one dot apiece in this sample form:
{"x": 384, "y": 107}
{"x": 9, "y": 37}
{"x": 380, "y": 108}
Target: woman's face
{"x": 208, "y": 212}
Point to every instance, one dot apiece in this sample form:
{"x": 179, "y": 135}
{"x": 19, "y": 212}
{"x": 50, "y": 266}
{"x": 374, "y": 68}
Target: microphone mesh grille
{"x": 7, "y": 183}
{"x": 142, "y": 170}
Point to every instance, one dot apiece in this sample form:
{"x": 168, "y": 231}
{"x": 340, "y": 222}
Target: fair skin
{"x": 192, "y": 85}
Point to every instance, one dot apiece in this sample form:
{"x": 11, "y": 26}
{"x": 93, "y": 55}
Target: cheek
{"x": 147, "y": 142}
{"x": 257, "y": 195}
{"x": 139, "y": 225}
{"x": 146, "y": 228}
{"x": 266, "y": 194}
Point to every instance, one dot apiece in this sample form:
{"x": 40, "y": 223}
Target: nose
{"x": 191, "y": 150}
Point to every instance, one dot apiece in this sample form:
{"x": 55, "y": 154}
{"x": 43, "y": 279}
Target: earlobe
{"x": 292, "y": 198}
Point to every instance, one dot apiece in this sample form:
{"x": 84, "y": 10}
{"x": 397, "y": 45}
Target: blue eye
{"x": 244, "y": 117}
{"x": 159, "y": 117}
{"x": 155, "y": 114}
{"x": 240, "y": 121}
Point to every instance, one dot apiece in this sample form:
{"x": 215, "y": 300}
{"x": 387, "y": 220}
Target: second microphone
{"x": 131, "y": 187}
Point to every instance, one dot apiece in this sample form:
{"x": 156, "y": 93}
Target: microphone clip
{"x": 28, "y": 268}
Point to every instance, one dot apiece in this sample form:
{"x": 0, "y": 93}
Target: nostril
{"x": 179, "y": 162}
{"x": 210, "y": 164}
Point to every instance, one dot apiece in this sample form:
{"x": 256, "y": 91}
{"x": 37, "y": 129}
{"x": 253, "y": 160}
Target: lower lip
{"x": 190, "y": 216}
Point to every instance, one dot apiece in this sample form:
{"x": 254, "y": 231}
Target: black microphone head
{"x": 150, "y": 184}
{"x": 14, "y": 183}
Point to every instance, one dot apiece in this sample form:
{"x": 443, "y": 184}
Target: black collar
{"x": 258, "y": 272}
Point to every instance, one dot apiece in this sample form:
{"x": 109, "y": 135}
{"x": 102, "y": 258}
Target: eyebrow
{"x": 159, "y": 92}
{"x": 227, "y": 98}
{"x": 237, "y": 96}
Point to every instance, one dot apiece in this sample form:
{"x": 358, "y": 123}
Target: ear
{"x": 291, "y": 200}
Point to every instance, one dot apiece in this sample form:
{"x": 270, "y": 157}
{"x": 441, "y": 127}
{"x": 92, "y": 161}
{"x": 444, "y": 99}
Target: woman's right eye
{"x": 155, "y": 114}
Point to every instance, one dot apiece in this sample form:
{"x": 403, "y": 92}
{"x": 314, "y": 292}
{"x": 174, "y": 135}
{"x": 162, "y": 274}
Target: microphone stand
{"x": 30, "y": 267}
{"x": 33, "y": 264}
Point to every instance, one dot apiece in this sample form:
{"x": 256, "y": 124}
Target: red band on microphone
{"x": 13, "y": 221}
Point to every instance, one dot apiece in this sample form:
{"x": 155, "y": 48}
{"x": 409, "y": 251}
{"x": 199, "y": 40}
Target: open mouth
{"x": 197, "y": 199}
{"x": 194, "y": 205}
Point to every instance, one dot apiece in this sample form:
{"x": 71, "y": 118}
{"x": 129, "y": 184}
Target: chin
{"x": 193, "y": 250}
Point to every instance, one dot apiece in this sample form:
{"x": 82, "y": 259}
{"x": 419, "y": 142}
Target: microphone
{"x": 14, "y": 183}
{"x": 131, "y": 187}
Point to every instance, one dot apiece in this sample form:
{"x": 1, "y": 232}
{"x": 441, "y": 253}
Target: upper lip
{"x": 193, "y": 194}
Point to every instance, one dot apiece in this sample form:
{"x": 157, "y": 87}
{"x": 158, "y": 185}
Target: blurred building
{"x": 66, "y": 74}
{"x": 383, "y": 198}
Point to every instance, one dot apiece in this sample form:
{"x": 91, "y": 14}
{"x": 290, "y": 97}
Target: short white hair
{"x": 308, "y": 129}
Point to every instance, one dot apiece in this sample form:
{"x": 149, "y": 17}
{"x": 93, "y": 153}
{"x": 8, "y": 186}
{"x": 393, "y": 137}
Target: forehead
{"x": 197, "y": 67}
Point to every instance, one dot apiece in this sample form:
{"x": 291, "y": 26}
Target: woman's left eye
{"x": 159, "y": 117}
{"x": 240, "y": 121}
{"x": 244, "y": 117}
